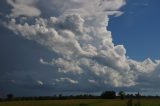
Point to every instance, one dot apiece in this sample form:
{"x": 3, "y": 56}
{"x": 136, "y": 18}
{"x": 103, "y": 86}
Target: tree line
{"x": 104, "y": 95}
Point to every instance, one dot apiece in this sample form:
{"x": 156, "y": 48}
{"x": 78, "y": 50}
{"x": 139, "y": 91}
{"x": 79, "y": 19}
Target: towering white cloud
{"x": 79, "y": 35}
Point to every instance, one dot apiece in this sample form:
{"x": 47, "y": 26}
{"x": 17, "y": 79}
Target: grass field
{"x": 81, "y": 102}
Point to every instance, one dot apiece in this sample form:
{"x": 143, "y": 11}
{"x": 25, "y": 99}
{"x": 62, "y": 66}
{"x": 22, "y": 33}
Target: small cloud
{"x": 92, "y": 81}
{"x": 40, "y": 82}
{"x": 115, "y": 13}
{"x": 43, "y": 62}
{"x": 67, "y": 80}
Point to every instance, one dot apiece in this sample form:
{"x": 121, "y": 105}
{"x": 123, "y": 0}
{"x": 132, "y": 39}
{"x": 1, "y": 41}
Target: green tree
{"x": 122, "y": 94}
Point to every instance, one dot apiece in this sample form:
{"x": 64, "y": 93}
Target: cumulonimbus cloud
{"x": 78, "y": 33}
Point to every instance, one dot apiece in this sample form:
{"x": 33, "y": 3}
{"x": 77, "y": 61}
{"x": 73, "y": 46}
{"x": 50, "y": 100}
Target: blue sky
{"x": 138, "y": 29}
{"x": 62, "y": 46}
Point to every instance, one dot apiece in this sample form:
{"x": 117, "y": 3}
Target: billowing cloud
{"x": 78, "y": 34}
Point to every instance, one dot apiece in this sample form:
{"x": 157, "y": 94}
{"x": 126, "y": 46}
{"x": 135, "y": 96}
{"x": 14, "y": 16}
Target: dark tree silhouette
{"x": 60, "y": 96}
{"x": 108, "y": 95}
{"x": 138, "y": 95}
{"x": 122, "y": 94}
{"x": 10, "y": 96}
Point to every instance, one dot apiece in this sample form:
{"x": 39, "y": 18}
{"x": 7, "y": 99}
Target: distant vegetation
{"x": 107, "y": 98}
{"x": 105, "y": 95}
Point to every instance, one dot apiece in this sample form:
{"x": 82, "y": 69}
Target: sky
{"x": 72, "y": 47}
{"x": 140, "y": 23}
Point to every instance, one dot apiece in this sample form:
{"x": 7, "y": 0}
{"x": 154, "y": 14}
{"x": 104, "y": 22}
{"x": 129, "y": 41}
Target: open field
{"x": 81, "y": 102}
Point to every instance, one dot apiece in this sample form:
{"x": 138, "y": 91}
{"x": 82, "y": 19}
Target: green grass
{"x": 80, "y": 102}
